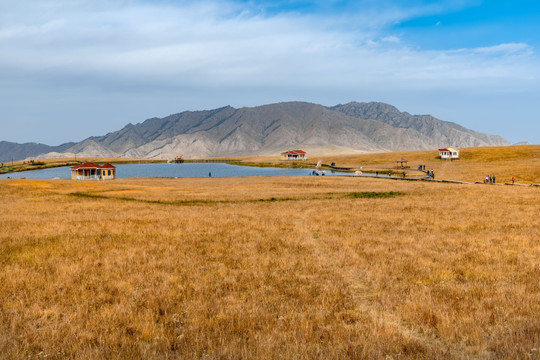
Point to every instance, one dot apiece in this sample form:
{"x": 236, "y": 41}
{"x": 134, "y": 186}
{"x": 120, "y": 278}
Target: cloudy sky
{"x": 70, "y": 69}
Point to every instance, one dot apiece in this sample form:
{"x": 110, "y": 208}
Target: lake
{"x": 174, "y": 171}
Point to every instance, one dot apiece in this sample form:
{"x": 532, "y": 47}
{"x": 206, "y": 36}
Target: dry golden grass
{"x": 521, "y": 162}
{"x": 284, "y": 267}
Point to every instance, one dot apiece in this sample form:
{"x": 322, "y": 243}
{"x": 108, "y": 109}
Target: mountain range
{"x": 267, "y": 130}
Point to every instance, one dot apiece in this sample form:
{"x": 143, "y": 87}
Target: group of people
{"x": 429, "y": 173}
{"x": 490, "y": 179}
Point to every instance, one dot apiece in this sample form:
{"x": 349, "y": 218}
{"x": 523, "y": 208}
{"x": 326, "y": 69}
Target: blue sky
{"x": 70, "y": 69}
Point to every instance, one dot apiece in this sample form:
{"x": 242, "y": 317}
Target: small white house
{"x": 449, "y": 153}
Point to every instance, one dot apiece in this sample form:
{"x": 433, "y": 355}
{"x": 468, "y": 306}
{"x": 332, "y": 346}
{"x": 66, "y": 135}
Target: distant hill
{"x": 271, "y": 129}
{"x": 523, "y": 143}
{"x": 13, "y": 151}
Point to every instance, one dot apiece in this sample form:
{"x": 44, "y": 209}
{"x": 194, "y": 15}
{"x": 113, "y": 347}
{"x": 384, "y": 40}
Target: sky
{"x": 71, "y": 69}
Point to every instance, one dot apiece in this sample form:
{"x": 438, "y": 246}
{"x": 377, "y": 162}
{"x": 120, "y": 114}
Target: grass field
{"x": 268, "y": 268}
{"x": 520, "y": 162}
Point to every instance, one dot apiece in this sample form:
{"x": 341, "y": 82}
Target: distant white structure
{"x": 358, "y": 173}
{"x": 449, "y": 153}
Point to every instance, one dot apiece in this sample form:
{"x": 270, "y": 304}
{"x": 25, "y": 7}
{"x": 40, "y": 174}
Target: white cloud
{"x": 99, "y": 48}
{"x": 511, "y": 48}
{"x": 198, "y": 43}
{"x": 391, "y": 39}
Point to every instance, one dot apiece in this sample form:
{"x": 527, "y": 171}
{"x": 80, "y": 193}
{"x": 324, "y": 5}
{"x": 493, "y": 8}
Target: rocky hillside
{"x": 13, "y": 151}
{"x": 270, "y": 129}
{"x": 431, "y": 130}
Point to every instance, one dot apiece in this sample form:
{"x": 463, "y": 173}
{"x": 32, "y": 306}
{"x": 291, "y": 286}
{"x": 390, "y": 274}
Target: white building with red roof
{"x": 91, "y": 171}
{"x": 294, "y": 155}
{"x": 449, "y": 153}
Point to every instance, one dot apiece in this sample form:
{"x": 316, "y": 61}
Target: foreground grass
{"x": 313, "y": 267}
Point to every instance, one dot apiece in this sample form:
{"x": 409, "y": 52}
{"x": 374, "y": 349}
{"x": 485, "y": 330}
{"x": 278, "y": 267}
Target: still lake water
{"x": 173, "y": 171}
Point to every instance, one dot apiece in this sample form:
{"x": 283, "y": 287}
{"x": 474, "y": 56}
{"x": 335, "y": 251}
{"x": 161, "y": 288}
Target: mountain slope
{"x": 270, "y": 129}
{"x": 435, "y": 132}
{"x": 13, "y": 151}
{"x": 267, "y": 130}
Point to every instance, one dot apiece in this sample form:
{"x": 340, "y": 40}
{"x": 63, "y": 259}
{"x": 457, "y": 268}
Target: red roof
{"x": 293, "y": 152}
{"x": 108, "y": 166}
{"x": 90, "y": 165}
{"x": 451, "y": 149}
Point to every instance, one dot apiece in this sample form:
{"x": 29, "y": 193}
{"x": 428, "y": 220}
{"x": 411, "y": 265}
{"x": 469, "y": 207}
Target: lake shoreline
{"x": 162, "y": 169}
{"x": 52, "y": 163}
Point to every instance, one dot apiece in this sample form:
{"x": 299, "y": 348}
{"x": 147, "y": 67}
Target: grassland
{"x": 268, "y": 268}
{"x": 520, "y": 162}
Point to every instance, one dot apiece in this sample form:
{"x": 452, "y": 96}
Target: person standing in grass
{"x": 512, "y": 180}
